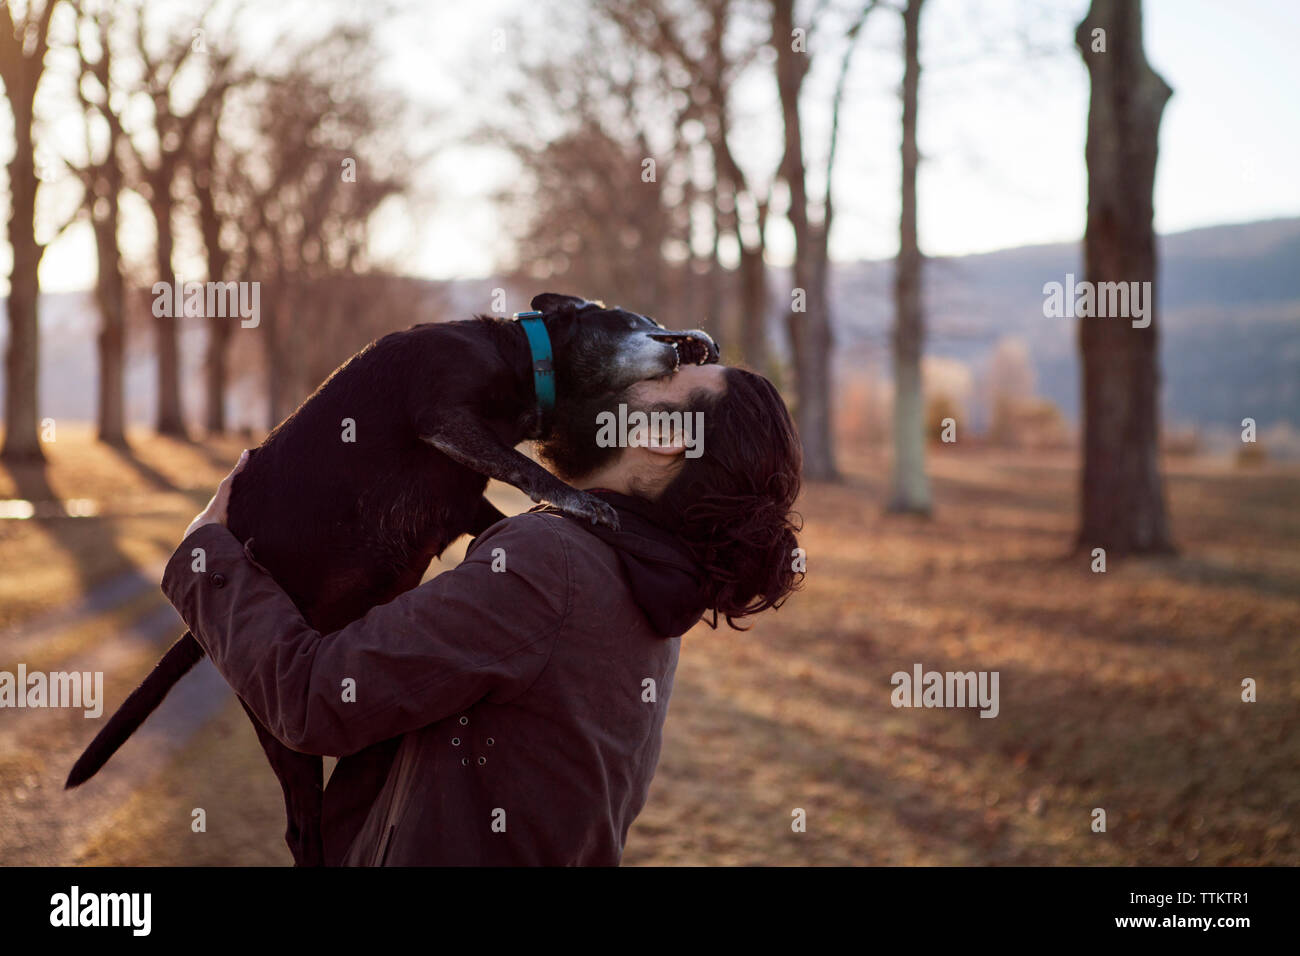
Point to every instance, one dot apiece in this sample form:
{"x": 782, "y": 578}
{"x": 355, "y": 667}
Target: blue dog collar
{"x": 539, "y": 343}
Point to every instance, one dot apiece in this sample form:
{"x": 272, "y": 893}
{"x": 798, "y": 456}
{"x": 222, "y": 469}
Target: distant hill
{"x": 1230, "y": 327}
{"x": 1229, "y": 299}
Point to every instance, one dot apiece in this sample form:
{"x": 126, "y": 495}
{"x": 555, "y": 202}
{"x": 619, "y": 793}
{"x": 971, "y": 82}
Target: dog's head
{"x": 599, "y": 350}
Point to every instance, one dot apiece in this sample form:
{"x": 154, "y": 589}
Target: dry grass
{"x": 146, "y": 497}
{"x": 1118, "y": 690}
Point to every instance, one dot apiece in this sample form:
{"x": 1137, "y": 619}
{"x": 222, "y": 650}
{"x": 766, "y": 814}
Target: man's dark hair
{"x": 733, "y": 504}
{"x": 735, "y": 501}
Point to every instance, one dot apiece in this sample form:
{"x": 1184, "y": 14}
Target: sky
{"x": 1001, "y": 132}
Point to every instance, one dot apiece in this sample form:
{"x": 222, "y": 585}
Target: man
{"x": 510, "y": 711}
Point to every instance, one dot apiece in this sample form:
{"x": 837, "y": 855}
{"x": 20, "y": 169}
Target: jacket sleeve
{"x": 470, "y": 633}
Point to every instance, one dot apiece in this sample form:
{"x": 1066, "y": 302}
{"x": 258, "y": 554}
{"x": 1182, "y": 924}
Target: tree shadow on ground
{"x": 91, "y": 542}
{"x": 130, "y": 457}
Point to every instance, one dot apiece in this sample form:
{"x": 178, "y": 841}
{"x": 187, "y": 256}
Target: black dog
{"x": 350, "y": 497}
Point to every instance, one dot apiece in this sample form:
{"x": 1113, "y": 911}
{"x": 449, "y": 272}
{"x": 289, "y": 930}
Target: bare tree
{"x": 102, "y": 182}
{"x": 806, "y": 318}
{"x": 594, "y": 211}
{"x": 208, "y": 170}
{"x": 748, "y": 206}
{"x": 809, "y": 318}
{"x": 911, "y": 487}
{"x": 24, "y": 41}
{"x": 321, "y": 163}
{"x": 172, "y": 129}
{"x": 689, "y": 43}
{"x": 1122, "y": 500}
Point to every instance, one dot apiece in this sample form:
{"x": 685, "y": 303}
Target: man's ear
{"x": 554, "y": 302}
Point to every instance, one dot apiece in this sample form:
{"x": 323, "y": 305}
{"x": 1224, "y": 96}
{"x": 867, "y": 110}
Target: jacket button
{"x": 464, "y": 721}
{"x": 455, "y": 741}
{"x": 218, "y": 579}
{"x": 482, "y": 761}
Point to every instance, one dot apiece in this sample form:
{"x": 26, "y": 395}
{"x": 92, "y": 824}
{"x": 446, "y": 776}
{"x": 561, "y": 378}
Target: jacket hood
{"x": 666, "y": 582}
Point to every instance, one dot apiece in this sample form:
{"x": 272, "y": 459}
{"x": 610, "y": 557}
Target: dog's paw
{"x": 590, "y": 507}
{"x": 605, "y": 515}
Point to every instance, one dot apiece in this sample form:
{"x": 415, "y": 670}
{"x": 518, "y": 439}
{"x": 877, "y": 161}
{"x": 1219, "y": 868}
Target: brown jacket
{"x": 509, "y": 711}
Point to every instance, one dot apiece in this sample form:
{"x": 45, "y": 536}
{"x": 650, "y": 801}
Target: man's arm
{"x": 469, "y": 633}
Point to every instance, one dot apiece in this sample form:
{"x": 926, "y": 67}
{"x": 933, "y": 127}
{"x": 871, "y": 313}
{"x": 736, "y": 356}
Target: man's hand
{"x": 215, "y": 512}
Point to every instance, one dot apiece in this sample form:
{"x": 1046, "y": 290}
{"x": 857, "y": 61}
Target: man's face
{"x": 675, "y": 389}
{"x": 572, "y": 450}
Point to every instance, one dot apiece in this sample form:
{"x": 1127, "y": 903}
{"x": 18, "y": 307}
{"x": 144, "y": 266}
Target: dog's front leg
{"x": 469, "y": 442}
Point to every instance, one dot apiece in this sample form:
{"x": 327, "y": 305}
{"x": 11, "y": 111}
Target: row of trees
{"x": 669, "y": 98}
{"x": 667, "y": 103}
{"x": 255, "y": 160}
{"x": 661, "y": 116}
{"x": 276, "y": 169}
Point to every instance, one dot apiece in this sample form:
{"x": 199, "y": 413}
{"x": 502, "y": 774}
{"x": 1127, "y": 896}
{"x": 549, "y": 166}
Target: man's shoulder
{"x": 546, "y": 535}
{"x": 542, "y": 529}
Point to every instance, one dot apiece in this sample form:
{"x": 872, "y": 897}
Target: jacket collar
{"x": 666, "y": 582}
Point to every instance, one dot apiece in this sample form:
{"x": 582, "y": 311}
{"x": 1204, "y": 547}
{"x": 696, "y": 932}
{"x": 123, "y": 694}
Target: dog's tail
{"x": 175, "y": 664}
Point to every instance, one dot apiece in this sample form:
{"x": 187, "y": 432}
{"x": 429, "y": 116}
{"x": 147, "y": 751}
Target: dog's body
{"x": 348, "y": 500}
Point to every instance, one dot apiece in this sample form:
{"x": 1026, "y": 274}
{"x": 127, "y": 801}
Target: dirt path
{"x": 40, "y": 822}
{"x": 17, "y": 643}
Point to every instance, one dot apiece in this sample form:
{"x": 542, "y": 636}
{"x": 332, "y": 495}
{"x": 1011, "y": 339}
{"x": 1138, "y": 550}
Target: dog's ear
{"x": 554, "y": 302}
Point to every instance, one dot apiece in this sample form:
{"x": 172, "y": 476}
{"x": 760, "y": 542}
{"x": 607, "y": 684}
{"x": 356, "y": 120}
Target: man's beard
{"x": 570, "y": 449}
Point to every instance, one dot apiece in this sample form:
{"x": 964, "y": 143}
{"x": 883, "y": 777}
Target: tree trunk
{"x": 911, "y": 486}
{"x": 170, "y": 419}
{"x": 713, "y": 294}
{"x": 753, "y": 307}
{"x": 751, "y": 326}
{"x": 279, "y": 385}
{"x": 23, "y": 44}
{"x": 752, "y": 269}
{"x": 219, "y": 329}
{"x": 22, "y": 441}
{"x": 810, "y": 335}
{"x": 109, "y": 295}
{"x": 217, "y": 373}
{"x": 1122, "y": 494}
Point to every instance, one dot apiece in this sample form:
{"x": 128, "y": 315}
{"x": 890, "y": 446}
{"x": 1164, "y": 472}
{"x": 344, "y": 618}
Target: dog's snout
{"x": 711, "y": 353}
{"x": 694, "y": 347}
